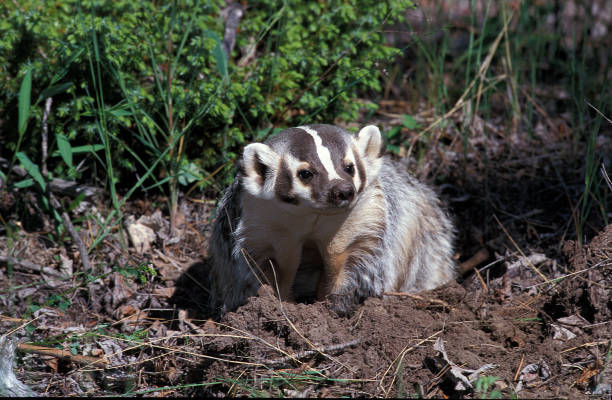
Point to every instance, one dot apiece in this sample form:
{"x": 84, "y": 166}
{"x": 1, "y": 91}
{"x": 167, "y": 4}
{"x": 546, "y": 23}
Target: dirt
{"x": 386, "y": 347}
{"x": 543, "y": 316}
{"x": 531, "y": 320}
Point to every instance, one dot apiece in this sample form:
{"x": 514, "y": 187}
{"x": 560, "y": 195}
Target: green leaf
{"x": 409, "y": 122}
{"x": 24, "y": 183}
{"x": 32, "y": 169}
{"x": 55, "y": 90}
{"x": 64, "y": 148}
{"x": 120, "y": 112}
{"x": 75, "y": 203}
{"x": 393, "y": 149}
{"x": 219, "y": 54}
{"x": 393, "y": 132}
{"x": 88, "y": 148}
{"x": 24, "y": 101}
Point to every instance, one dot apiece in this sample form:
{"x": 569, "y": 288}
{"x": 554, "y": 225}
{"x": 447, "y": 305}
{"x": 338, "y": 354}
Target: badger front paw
{"x": 343, "y": 304}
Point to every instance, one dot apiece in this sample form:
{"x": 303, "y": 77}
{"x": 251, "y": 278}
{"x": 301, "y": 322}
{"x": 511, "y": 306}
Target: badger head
{"x": 321, "y": 168}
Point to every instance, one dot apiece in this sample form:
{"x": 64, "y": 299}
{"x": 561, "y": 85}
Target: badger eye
{"x": 304, "y": 175}
{"x": 350, "y": 169}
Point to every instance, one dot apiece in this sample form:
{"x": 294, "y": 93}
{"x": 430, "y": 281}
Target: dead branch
{"x": 481, "y": 256}
{"x": 45, "y": 135}
{"x": 27, "y": 265}
{"x": 73, "y": 233}
{"x": 233, "y": 13}
{"x": 417, "y": 297}
{"x": 63, "y": 354}
{"x": 310, "y": 353}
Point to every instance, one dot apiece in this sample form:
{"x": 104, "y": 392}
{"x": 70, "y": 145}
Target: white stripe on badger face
{"x": 323, "y": 153}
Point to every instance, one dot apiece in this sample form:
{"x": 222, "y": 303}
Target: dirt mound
{"x": 529, "y": 328}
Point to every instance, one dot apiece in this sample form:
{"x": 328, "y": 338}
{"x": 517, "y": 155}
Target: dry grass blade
{"x": 400, "y": 357}
{"x": 310, "y": 353}
{"x": 417, "y": 297}
{"x": 589, "y": 344}
{"x": 300, "y": 334}
{"x": 484, "y": 67}
{"x": 599, "y": 112}
{"x": 516, "y": 246}
{"x": 604, "y": 173}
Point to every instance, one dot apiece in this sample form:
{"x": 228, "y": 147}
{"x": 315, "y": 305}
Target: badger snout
{"x": 341, "y": 193}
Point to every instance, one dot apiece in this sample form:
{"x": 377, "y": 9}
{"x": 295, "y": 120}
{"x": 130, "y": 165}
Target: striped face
{"x": 319, "y": 167}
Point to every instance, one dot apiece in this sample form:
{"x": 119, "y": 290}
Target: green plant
{"x": 142, "y": 272}
{"x": 161, "y": 98}
{"x": 394, "y": 137}
{"x": 483, "y": 386}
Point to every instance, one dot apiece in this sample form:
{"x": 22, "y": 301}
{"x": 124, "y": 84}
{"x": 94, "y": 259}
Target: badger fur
{"x": 327, "y": 203}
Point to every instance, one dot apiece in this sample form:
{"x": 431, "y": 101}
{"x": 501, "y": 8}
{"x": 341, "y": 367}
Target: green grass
{"x": 507, "y": 60}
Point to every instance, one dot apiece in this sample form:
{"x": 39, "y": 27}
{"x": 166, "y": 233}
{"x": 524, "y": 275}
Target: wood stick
{"x": 310, "y": 353}
{"x": 73, "y": 233}
{"x": 30, "y": 266}
{"x": 481, "y": 256}
{"x": 63, "y": 354}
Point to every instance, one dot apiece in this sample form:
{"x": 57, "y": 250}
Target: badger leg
{"x": 332, "y": 278}
{"x": 287, "y": 261}
{"x": 345, "y": 279}
{"x": 337, "y": 285}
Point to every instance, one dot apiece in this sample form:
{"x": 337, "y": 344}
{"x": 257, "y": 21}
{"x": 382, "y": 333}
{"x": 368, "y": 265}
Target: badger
{"x": 315, "y": 209}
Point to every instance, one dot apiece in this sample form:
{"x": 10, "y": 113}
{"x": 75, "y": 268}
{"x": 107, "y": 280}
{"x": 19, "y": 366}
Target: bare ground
{"x": 533, "y": 321}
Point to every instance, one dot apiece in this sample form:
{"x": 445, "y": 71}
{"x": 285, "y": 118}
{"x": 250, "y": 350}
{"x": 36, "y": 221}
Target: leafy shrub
{"x": 147, "y": 80}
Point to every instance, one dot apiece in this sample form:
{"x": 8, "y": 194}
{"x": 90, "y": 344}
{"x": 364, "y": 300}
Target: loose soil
{"x": 533, "y": 318}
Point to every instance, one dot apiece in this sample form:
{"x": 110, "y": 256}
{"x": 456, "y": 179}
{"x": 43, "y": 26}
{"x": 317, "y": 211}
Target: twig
{"x": 31, "y": 266}
{"x": 73, "y": 233}
{"x": 599, "y": 112}
{"x": 604, "y": 173}
{"x": 481, "y": 256}
{"x": 45, "y": 135}
{"x": 310, "y": 353}
{"x": 518, "y": 370}
{"x": 482, "y": 282}
{"x": 63, "y": 354}
{"x": 417, "y": 297}
{"x": 233, "y": 13}
{"x": 457, "y": 372}
{"x": 589, "y": 344}
{"x": 401, "y": 356}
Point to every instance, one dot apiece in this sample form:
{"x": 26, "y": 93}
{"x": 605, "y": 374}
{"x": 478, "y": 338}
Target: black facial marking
{"x": 301, "y": 145}
{"x": 350, "y": 169}
{"x": 305, "y": 175}
{"x": 284, "y": 184}
{"x": 261, "y": 169}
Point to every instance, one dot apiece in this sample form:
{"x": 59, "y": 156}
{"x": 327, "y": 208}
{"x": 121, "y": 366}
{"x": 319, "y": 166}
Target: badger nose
{"x": 341, "y": 192}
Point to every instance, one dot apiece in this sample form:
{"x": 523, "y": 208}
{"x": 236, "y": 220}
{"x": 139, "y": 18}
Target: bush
{"x": 150, "y": 82}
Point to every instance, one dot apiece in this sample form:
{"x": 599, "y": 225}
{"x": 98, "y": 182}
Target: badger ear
{"x": 369, "y": 142}
{"x": 259, "y": 165}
